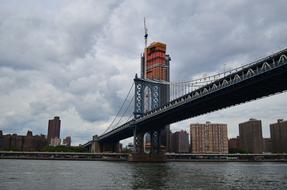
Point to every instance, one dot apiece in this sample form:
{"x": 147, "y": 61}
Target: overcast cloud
{"x": 77, "y": 59}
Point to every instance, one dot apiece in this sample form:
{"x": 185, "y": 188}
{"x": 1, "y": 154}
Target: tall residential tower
{"x": 208, "y": 138}
{"x": 278, "y": 132}
{"x": 250, "y": 136}
{"x": 156, "y": 65}
{"x": 54, "y": 127}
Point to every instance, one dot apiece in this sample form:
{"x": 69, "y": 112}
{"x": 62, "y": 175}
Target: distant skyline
{"x": 71, "y": 58}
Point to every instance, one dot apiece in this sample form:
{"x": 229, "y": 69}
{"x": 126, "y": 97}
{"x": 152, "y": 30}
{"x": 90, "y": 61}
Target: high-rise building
{"x": 267, "y": 145}
{"x": 179, "y": 142}
{"x": 156, "y": 66}
{"x": 233, "y": 143}
{"x": 250, "y": 136}
{"x": 55, "y": 141}
{"x": 278, "y": 133}
{"x": 67, "y": 141}
{"x": 209, "y": 138}
{"x": 54, "y": 127}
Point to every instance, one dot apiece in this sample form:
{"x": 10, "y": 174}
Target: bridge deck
{"x": 262, "y": 78}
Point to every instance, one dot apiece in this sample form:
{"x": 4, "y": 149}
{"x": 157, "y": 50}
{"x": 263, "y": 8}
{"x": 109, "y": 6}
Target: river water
{"x": 70, "y": 175}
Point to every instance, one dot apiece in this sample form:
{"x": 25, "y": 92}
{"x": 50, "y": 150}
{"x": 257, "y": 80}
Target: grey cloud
{"x": 77, "y": 59}
{"x": 31, "y": 39}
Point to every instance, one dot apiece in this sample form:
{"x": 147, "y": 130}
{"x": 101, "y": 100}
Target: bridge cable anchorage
{"x": 120, "y": 108}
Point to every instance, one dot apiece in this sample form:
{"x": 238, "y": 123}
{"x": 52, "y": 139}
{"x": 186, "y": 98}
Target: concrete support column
{"x": 97, "y": 147}
{"x": 155, "y": 142}
{"x": 138, "y": 143}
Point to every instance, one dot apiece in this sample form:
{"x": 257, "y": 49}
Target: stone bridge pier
{"x": 147, "y": 146}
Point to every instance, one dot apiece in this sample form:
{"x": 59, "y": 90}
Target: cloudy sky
{"x": 77, "y": 59}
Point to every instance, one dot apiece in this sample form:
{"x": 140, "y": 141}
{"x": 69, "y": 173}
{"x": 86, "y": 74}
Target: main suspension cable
{"x": 120, "y": 108}
{"x": 125, "y": 110}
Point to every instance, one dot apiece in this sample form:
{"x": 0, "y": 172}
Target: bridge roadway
{"x": 262, "y": 78}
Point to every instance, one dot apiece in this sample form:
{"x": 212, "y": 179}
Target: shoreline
{"x": 126, "y": 160}
{"x": 115, "y": 160}
{"x": 124, "y": 157}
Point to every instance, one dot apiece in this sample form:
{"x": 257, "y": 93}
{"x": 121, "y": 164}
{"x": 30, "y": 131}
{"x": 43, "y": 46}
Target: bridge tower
{"x": 151, "y": 92}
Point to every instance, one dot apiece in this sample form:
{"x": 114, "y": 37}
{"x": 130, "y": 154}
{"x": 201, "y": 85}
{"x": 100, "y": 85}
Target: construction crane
{"x": 145, "y": 33}
{"x": 145, "y": 48}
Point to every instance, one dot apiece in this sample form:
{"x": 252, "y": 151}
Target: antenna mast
{"x": 145, "y": 33}
{"x": 145, "y": 48}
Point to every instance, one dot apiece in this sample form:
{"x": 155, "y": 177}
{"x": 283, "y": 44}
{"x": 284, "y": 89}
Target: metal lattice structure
{"x": 149, "y": 95}
{"x": 198, "y": 89}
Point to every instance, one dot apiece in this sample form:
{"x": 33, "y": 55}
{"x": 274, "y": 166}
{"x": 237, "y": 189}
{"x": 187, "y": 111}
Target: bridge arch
{"x": 250, "y": 72}
{"x": 225, "y": 82}
{"x": 147, "y": 99}
{"x": 214, "y": 86}
{"x": 147, "y": 143}
{"x": 236, "y": 78}
{"x": 282, "y": 58}
{"x": 265, "y": 66}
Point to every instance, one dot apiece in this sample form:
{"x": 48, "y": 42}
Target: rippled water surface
{"x": 69, "y": 175}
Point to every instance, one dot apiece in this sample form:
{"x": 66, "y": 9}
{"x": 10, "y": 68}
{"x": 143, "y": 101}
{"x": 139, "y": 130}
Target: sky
{"x": 77, "y": 59}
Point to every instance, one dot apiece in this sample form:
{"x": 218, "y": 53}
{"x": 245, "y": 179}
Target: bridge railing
{"x": 179, "y": 89}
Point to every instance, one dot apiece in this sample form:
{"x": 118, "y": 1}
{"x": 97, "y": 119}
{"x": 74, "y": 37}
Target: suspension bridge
{"x": 172, "y": 102}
